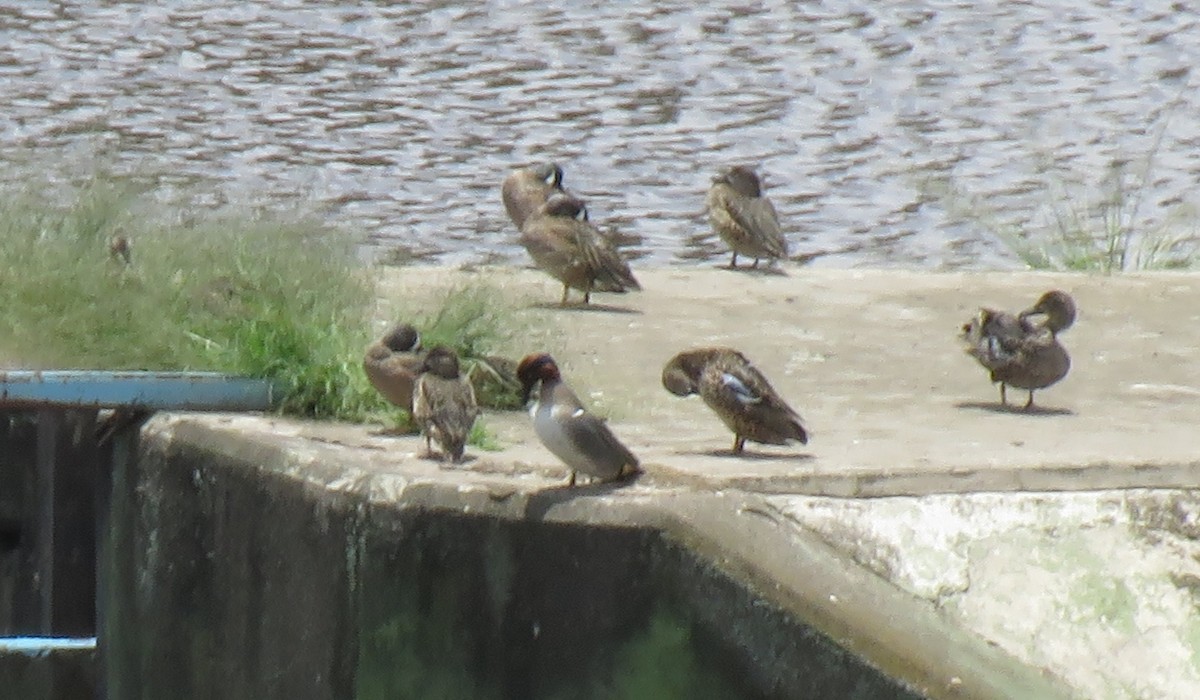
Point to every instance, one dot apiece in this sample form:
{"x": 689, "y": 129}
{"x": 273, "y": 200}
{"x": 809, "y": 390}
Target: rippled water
{"x": 900, "y": 133}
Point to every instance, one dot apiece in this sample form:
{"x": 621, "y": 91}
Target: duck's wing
{"x": 424, "y": 401}
{"x": 739, "y": 387}
{"x": 757, "y": 216}
{"x": 609, "y": 269}
{"x": 446, "y": 404}
{"x": 996, "y": 338}
{"x": 457, "y": 408}
{"x": 550, "y": 243}
{"x": 592, "y": 437}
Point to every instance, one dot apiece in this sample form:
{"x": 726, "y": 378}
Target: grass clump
{"x": 1106, "y": 235}
{"x": 1092, "y": 235}
{"x": 475, "y": 321}
{"x": 282, "y": 300}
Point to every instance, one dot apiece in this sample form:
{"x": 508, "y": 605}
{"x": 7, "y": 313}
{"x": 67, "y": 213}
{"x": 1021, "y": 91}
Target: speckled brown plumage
{"x": 738, "y": 393}
{"x": 567, "y": 247}
{"x": 1019, "y": 350}
{"x": 743, "y": 217}
{"x": 393, "y": 362}
{"x": 444, "y": 405}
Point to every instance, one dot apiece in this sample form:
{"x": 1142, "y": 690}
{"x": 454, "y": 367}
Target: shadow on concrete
{"x": 993, "y": 407}
{"x": 440, "y": 459}
{"x": 753, "y": 455}
{"x": 541, "y": 502}
{"x": 766, "y": 270}
{"x": 580, "y": 306}
{"x": 395, "y": 431}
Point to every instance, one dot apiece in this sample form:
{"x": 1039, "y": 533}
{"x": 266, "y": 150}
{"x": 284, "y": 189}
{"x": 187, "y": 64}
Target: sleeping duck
{"x": 738, "y": 393}
{"x": 526, "y": 189}
{"x": 393, "y": 362}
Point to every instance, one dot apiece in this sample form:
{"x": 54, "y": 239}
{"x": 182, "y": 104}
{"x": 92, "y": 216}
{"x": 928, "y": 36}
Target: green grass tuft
{"x": 1090, "y": 232}
{"x": 479, "y": 323}
{"x": 276, "y": 299}
{"x": 483, "y": 438}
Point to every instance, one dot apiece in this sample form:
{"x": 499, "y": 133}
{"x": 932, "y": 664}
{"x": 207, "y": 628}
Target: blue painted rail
{"x": 155, "y": 391}
{"x": 78, "y": 454}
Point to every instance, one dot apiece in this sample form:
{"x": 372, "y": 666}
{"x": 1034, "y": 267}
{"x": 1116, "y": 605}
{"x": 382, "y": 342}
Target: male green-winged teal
{"x": 743, "y": 217}
{"x": 393, "y": 362}
{"x": 444, "y": 404}
{"x": 527, "y": 189}
{"x": 1021, "y": 351}
{"x": 737, "y": 392}
{"x": 565, "y": 245}
{"x": 565, "y": 427}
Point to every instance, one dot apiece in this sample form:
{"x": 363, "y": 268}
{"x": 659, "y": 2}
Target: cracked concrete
{"x": 1097, "y": 586}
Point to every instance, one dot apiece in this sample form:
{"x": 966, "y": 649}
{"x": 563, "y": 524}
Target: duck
{"x": 581, "y": 440}
{"x": 565, "y": 245}
{"x": 738, "y": 393}
{"x": 119, "y": 248}
{"x": 743, "y": 217}
{"x": 393, "y": 363}
{"x": 444, "y": 405}
{"x": 526, "y": 189}
{"x": 1022, "y": 350}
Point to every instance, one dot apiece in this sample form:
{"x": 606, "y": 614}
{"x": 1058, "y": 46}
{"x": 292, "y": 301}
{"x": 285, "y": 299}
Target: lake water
{"x": 890, "y": 134}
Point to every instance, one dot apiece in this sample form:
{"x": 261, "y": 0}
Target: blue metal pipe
{"x": 155, "y": 391}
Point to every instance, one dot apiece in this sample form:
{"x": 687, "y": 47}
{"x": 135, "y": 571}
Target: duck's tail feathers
{"x": 799, "y": 433}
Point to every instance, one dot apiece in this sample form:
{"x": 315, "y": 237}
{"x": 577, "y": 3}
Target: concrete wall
{"x": 35, "y": 669}
{"x": 239, "y": 574}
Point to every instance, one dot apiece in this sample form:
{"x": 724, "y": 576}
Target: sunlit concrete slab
{"x": 872, "y": 361}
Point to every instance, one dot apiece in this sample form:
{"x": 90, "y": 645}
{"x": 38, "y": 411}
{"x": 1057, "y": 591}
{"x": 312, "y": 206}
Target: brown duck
{"x": 743, "y": 217}
{"x": 1022, "y": 351}
{"x": 393, "y": 362}
{"x": 444, "y": 404}
{"x": 527, "y": 189}
{"x": 738, "y": 393}
{"x": 580, "y": 439}
{"x": 564, "y": 245}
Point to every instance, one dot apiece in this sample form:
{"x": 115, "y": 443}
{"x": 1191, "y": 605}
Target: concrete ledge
{"x": 195, "y": 469}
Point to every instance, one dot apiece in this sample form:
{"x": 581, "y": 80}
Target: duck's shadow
{"x": 445, "y": 463}
{"x": 1012, "y": 409}
{"x": 395, "y": 432}
{"x": 752, "y": 455}
{"x": 767, "y": 270}
{"x": 542, "y": 501}
{"x": 580, "y": 306}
